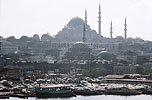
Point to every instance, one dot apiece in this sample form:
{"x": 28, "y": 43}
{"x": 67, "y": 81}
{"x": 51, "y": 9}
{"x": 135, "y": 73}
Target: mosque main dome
{"x": 76, "y": 21}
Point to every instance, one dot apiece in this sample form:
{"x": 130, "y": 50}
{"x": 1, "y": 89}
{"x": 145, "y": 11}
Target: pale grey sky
{"x": 28, "y": 17}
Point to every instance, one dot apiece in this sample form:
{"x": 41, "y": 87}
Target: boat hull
{"x": 125, "y": 92}
{"x": 47, "y": 93}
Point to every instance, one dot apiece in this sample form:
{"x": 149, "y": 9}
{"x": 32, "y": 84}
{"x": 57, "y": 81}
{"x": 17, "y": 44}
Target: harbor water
{"x": 99, "y": 97}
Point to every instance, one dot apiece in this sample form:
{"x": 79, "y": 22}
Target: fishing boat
{"x": 86, "y": 91}
{"x": 122, "y": 91}
{"x": 5, "y": 95}
{"x": 54, "y": 91}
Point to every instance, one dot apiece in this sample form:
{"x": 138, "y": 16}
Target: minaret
{"x": 0, "y": 5}
{"x": 85, "y": 17}
{"x": 84, "y": 27}
{"x": 0, "y": 17}
{"x": 84, "y": 33}
{"x": 111, "y": 30}
{"x": 125, "y": 29}
{"x": 99, "y": 21}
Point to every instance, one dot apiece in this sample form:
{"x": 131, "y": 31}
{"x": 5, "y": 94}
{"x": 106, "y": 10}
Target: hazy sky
{"x": 28, "y": 17}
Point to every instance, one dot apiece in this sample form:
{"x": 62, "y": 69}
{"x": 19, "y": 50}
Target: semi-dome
{"x": 80, "y": 44}
{"x": 79, "y": 51}
{"x": 36, "y": 37}
{"x": 104, "y": 52}
{"x": 106, "y": 55}
{"x": 76, "y": 22}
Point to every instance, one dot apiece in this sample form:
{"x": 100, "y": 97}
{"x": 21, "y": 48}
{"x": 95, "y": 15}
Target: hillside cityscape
{"x": 77, "y": 45}
{"x": 77, "y": 51}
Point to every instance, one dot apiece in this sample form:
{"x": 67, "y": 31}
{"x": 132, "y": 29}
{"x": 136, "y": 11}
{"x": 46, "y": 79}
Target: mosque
{"x": 78, "y": 32}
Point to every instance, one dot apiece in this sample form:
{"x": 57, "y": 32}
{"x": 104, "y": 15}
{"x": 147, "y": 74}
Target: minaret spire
{"x": 125, "y": 29}
{"x": 84, "y": 33}
{"x": 111, "y": 31}
{"x": 85, "y": 17}
{"x": 99, "y": 21}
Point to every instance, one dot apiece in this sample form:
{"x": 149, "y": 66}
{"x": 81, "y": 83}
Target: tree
{"x": 11, "y": 39}
{"x": 144, "y": 69}
{"x": 25, "y": 38}
{"x": 142, "y": 59}
{"x": 140, "y": 69}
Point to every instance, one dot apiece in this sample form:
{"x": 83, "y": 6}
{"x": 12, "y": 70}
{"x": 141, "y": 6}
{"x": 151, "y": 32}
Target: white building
{"x": 126, "y": 69}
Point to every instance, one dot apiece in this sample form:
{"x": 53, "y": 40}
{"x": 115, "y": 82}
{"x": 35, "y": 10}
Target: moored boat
{"x": 54, "y": 91}
{"x": 19, "y": 95}
{"x": 85, "y": 91}
{"x": 5, "y": 95}
{"x": 122, "y": 91}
